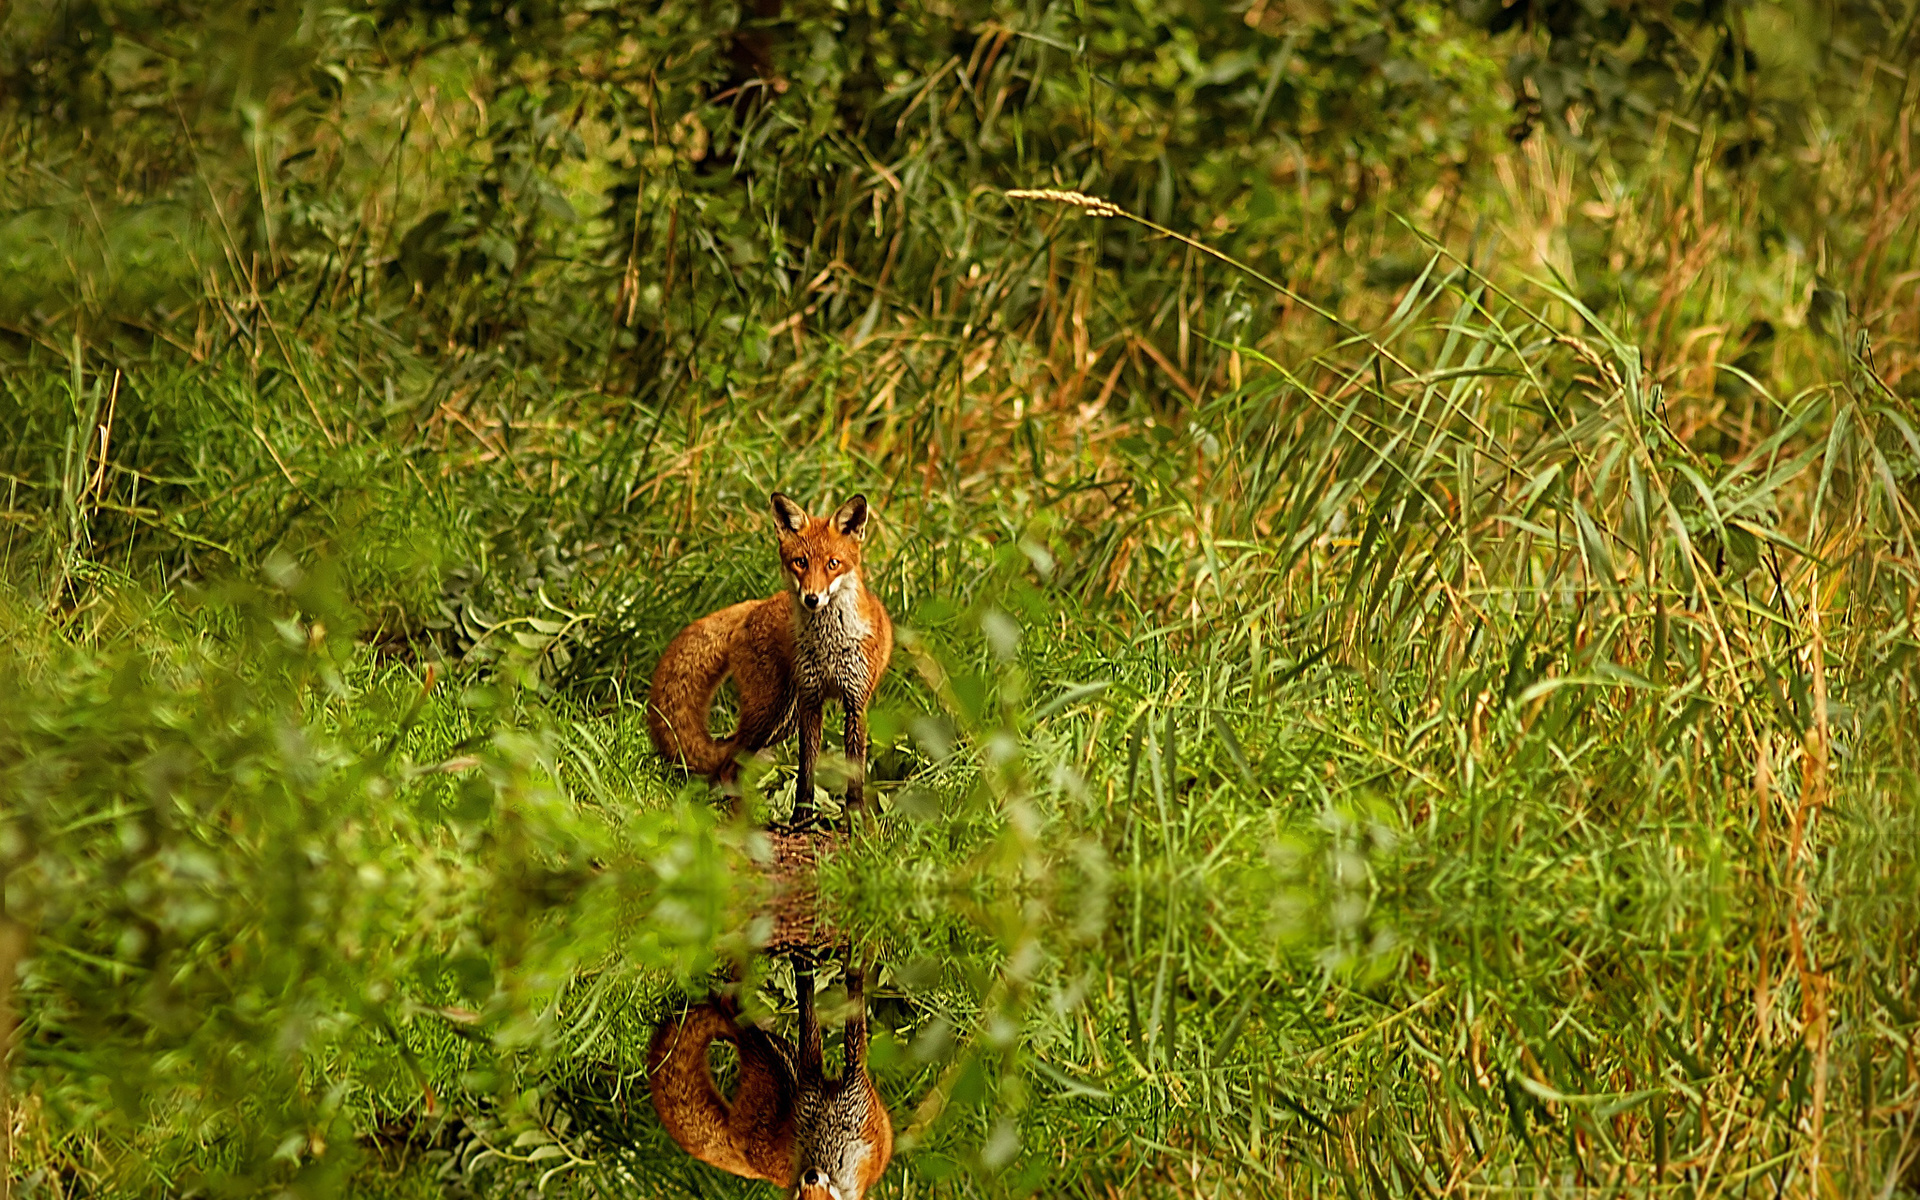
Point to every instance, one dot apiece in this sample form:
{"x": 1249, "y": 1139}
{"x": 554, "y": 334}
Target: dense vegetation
{"x": 1407, "y": 545}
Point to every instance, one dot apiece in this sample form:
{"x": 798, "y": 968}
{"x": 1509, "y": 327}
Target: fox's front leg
{"x": 856, "y": 748}
{"x": 812, "y": 717}
{"x": 812, "y": 1048}
{"x": 857, "y": 1023}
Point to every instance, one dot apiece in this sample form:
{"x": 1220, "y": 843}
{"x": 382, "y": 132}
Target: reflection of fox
{"x": 826, "y": 638}
{"x": 786, "y": 1123}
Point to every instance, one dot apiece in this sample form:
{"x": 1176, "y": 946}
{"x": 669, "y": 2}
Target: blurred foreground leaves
{"x": 229, "y": 867}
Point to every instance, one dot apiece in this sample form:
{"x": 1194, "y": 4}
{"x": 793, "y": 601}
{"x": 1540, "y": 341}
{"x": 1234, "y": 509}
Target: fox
{"x": 824, "y": 637}
{"x": 787, "y": 1124}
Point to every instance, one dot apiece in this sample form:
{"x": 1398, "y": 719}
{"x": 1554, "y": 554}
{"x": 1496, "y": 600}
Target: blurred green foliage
{"x": 234, "y": 868}
{"x": 1465, "y": 742}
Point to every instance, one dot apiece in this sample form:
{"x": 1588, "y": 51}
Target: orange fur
{"x": 786, "y": 1123}
{"x": 750, "y": 1135}
{"x": 826, "y": 637}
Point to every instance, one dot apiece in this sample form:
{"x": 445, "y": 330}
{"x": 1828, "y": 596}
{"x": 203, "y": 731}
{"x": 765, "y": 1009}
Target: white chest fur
{"x": 830, "y": 659}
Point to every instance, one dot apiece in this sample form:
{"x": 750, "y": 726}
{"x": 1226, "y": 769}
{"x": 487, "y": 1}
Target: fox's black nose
{"x": 811, "y": 600}
{"x": 814, "y": 1178}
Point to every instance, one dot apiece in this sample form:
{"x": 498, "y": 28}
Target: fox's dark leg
{"x": 812, "y": 1052}
{"x": 857, "y": 1023}
{"x": 761, "y": 724}
{"x": 812, "y": 717}
{"x": 856, "y": 747}
{"x": 727, "y": 779}
{"x": 764, "y": 1095}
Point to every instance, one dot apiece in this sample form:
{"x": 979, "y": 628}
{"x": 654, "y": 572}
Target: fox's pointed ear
{"x": 851, "y": 519}
{"x": 791, "y": 516}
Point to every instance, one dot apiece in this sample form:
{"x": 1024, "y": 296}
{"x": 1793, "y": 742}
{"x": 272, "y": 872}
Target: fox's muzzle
{"x": 816, "y": 1178}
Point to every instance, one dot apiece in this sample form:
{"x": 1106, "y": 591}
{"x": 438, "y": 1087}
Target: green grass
{"x": 1396, "y": 808}
{"x": 1405, "y": 685}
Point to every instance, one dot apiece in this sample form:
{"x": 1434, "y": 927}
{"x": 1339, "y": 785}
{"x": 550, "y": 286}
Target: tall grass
{"x": 1409, "y": 670}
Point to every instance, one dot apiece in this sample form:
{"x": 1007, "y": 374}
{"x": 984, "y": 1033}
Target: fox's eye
{"x": 799, "y": 564}
{"x": 833, "y": 564}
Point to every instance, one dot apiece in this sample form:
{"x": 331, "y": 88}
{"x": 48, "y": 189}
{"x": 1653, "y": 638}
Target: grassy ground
{"x": 1418, "y": 706}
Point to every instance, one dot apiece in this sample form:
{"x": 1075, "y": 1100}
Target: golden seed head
{"x": 1094, "y": 205}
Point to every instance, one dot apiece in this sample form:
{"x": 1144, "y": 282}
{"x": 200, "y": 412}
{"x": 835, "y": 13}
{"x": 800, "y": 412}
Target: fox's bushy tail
{"x": 691, "y": 1108}
{"x": 690, "y": 672}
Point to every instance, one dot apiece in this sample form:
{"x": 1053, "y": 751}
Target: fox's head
{"x": 842, "y": 1141}
{"x": 820, "y": 556}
